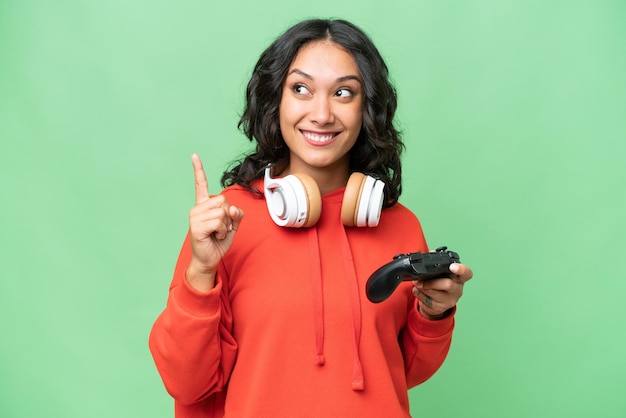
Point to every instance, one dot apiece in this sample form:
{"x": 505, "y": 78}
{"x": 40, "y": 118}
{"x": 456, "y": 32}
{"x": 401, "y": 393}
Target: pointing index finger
{"x": 202, "y": 186}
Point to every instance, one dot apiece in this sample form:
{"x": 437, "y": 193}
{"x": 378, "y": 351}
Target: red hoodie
{"x": 288, "y": 331}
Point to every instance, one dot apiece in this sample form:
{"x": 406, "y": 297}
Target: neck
{"x": 329, "y": 182}
{"x": 327, "y": 178}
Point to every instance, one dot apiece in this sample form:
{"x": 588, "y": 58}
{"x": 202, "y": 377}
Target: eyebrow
{"x": 339, "y": 80}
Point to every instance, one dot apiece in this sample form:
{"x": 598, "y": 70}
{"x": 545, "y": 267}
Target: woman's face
{"x": 321, "y": 108}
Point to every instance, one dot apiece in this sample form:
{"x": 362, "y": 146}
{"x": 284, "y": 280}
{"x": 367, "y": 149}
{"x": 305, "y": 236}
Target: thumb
{"x": 236, "y": 215}
{"x": 462, "y": 272}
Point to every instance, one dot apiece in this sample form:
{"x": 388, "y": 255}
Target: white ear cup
{"x": 376, "y": 203}
{"x": 287, "y": 200}
{"x": 370, "y": 202}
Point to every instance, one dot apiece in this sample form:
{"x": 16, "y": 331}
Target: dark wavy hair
{"x": 379, "y": 146}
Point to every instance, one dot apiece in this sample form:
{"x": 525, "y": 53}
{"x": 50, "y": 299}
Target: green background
{"x": 514, "y": 116}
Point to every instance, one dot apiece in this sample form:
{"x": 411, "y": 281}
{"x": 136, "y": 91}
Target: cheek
{"x": 283, "y": 114}
{"x": 288, "y": 111}
{"x": 355, "y": 120}
{"x": 359, "y": 120}
{"x": 353, "y": 114}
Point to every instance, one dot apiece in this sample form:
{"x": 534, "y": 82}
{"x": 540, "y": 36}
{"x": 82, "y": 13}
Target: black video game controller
{"x": 409, "y": 267}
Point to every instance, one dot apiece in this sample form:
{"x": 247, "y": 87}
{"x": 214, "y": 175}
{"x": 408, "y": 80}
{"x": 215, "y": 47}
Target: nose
{"x": 321, "y": 112}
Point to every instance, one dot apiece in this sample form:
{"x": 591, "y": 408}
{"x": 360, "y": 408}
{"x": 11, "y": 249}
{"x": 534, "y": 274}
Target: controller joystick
{"x": 409, "y": 267}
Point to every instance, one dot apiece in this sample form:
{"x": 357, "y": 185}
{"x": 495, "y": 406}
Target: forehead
{"x": 325, "y": 58}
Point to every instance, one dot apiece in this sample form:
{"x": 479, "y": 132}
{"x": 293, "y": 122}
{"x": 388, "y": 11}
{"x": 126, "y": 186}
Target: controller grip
{"x": 384, "y": 281}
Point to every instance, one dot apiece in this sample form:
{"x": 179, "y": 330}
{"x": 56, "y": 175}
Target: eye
{"x": 344, "y": 93}
{"x": 300, "y": 89}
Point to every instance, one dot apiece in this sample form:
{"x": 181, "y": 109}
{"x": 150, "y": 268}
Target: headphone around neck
{"x": 295, "y": 200}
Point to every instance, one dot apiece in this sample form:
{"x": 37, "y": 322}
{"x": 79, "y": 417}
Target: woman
{"x": 267, "y": 314}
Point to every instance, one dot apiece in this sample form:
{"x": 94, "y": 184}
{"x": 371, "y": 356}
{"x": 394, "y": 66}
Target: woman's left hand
{"x": 437, "y": 296}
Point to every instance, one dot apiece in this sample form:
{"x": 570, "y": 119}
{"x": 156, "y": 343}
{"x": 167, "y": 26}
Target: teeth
{"x": 318, "y": 138}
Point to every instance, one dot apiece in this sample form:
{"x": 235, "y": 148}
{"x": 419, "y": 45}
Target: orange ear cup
{"x": 314, "y": 199}
{"x": 351, "y": 196}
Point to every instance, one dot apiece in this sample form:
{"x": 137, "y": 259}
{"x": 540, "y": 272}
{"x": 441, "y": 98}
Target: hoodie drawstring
{"x": 353, "y": 288}
{"x": 318, "y": 295}
{"x": 318, "y": 303}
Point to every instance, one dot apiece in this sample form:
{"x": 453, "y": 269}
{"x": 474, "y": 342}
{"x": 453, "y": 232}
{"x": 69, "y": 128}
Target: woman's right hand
{"x": 213, "y": 223}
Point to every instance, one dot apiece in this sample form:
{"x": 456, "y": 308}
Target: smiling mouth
{"x": 319, "y": 139}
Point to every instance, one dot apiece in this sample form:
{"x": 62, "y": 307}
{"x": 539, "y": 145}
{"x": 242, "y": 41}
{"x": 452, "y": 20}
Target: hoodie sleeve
{"x": 425, "y": 343}
{"x": 191, "y": 341}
